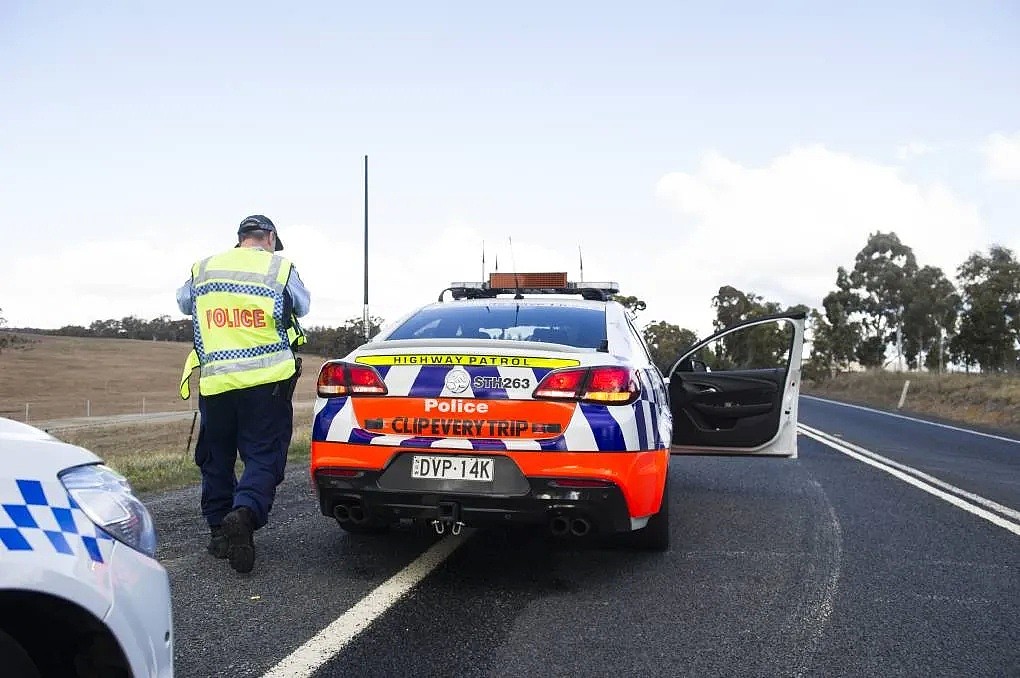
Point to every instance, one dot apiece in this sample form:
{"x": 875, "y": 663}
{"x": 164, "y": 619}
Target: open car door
{"x": 736, "y": 392}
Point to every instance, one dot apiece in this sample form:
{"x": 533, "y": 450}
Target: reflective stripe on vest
{"x": 240, "y": 334}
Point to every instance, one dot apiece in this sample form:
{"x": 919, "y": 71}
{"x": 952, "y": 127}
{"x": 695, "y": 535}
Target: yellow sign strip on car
{"x": 467, "y": 360}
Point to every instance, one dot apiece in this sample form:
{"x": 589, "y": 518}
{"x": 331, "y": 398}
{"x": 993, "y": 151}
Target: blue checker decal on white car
{"x": 32, "y": 510}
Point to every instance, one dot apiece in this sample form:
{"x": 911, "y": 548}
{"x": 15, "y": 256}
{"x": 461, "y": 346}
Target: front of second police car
{"x": 80, "y": 591}
{"x": 536, "y": 404}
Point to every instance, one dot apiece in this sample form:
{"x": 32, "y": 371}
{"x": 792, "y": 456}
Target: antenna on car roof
{"x": 513, "y": 261}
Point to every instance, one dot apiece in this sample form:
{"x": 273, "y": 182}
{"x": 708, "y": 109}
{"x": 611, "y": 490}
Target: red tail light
{"x": 340, "y": 378}
{"x": 562, "y": 384}
{"x": 604, "y": 385}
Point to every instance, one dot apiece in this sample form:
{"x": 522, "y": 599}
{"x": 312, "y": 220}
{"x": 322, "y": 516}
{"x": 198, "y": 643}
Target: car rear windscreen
{"x": 570, "y": 325}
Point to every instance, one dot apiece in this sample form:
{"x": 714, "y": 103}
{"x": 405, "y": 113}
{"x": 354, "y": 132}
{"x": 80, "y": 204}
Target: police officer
{"x": 244, "y": 305}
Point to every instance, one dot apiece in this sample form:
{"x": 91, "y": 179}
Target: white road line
{"x": 914, "y": 419}
{"x": 308, "y": 658}
{"x": 976, "y": 498}
{"x": 993, "y": 518}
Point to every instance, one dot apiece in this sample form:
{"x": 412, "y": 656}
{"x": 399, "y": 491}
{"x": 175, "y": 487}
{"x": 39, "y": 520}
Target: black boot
{"x": 239, "y": 529}
{"x": 217, "y": 547}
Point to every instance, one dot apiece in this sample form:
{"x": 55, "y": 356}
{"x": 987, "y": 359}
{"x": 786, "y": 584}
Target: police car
{"x": 532, "y": 399}
{"x": 80, "y": 592}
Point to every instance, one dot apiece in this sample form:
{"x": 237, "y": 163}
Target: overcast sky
{"x": 682, "y": 146}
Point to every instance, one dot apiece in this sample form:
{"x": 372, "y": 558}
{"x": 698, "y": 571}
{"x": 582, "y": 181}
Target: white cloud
{"x": 409, "y": 265}
{"x": 76, "y": 283}
{"x": 782, "y": 230}
{"x": 914, "y": 149}
{"x": 1002, "y": 155}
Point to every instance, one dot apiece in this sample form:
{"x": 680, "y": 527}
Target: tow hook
{"x": 449, "y": 517}
{"x": 455, "y": 528}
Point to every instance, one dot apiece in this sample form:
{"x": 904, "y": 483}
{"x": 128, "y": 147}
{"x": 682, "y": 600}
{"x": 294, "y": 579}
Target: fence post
{"x": 903, "y": 396}
{"x": 143, "y": 404}
{"x": 26, "y": 413}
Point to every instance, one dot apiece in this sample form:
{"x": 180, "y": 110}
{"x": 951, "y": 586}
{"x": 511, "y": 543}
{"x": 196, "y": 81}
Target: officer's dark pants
{"x": 257, "y": 422}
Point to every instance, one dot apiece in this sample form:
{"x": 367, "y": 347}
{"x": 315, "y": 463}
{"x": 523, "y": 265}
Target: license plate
{"x": 452, "y": 468}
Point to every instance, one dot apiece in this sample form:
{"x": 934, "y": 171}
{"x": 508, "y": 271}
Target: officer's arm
{"x": 299, "y": 295}
{"x": 185, "y": 298}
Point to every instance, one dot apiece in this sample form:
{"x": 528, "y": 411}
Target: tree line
{"x": 886, "y": 307}
{"x": 325, "y": 341}
{"x": 889, "y": 308}
{"x": 888, "y": 301}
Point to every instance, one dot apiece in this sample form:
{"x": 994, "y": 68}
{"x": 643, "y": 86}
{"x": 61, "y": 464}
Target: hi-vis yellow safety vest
{"x": 241, "y": 337}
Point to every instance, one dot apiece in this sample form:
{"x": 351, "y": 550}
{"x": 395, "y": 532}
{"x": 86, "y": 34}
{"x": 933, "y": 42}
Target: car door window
{"x": 752, "y": 348}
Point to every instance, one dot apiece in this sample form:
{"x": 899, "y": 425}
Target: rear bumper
{"x": 604, "y": 507}
{"x": 526, "y": 492}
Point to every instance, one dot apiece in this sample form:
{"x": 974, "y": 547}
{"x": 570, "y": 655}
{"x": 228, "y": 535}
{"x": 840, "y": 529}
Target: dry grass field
{"x": 63, "y": 377}
{"x": 988, "y": 400}
{"x": 56, "y": 376}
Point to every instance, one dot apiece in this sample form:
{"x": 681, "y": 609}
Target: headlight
{"x": 105, "y": 497}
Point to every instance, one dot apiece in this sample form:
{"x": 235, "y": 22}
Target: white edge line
{"x": 945, "y": 496}
{"x": 325, "y": 645}
{"x": 915, "y": 419}
{"x": 1013, "y": 514}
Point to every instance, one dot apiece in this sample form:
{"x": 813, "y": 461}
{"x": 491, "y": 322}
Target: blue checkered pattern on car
{"x": 240, "y": 354}
{"x": 34, "y": 511}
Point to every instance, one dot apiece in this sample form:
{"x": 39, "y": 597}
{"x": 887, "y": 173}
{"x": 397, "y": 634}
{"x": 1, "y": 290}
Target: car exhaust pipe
{"x": 357, "y": 514}
{"x": 559, "y": 526}
{"x": 580, "y": 527}
{"x": 342, "y": 513}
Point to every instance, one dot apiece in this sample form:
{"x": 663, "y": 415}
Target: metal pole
{"x": 88, "y": 407}
{"x": 143, "y": 404}
{"x": 26, "y": 413}
{"x": 365, "y": 318}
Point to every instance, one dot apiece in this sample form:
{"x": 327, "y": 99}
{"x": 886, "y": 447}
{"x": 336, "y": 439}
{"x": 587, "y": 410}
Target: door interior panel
{"x": 738, "y": 408}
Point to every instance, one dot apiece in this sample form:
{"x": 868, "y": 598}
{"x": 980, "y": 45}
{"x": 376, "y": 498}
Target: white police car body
{"x": 518, "y": 402}
{"x": 80, "y": 593}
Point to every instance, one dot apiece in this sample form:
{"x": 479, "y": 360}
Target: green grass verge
{"x": 158, "y": 456}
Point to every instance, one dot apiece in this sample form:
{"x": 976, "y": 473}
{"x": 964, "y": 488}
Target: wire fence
{"x": 102, "y": 408}
{"x": 50, "y": 408}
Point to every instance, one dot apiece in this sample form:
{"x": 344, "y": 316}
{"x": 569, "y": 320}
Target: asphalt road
{"x": 824, "y": 565}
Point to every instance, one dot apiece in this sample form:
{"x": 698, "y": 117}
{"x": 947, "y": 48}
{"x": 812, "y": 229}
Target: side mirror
{"x": 692, "y": 365}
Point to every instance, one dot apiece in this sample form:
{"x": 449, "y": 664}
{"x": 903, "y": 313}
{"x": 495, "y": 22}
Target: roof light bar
{"x": 610, "y": 287}
{"x": 530, "y": 283}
